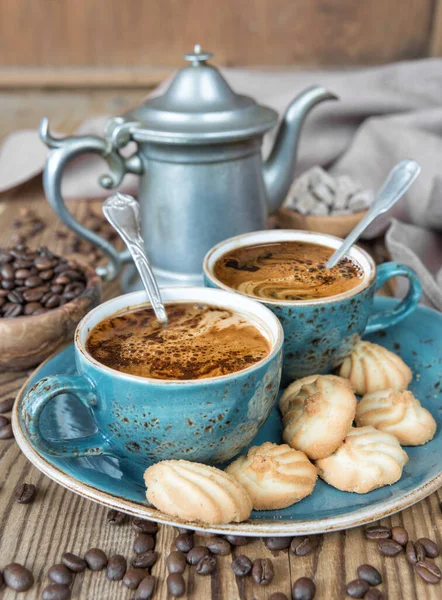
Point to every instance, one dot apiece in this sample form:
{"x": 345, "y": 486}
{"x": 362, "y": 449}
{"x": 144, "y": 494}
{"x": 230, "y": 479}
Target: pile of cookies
{"x": 319, "y": 413}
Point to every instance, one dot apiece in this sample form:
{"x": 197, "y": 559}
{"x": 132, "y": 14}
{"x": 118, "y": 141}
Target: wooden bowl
{"x": 27, "y": 341}
{"x": 338, "y": 225}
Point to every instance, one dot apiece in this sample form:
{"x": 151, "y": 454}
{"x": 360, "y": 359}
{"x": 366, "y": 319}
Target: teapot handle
{"x": 63, "y": 151}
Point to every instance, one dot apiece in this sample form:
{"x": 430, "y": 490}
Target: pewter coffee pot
{"x": 202, "y": 177}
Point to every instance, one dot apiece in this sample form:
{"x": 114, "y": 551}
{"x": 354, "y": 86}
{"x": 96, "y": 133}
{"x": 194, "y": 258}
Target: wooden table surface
{"x": 37, "y": 534}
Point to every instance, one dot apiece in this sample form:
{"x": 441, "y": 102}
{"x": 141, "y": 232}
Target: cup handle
{"x": 42, "y": 393}
{"x": 387, "y": 318}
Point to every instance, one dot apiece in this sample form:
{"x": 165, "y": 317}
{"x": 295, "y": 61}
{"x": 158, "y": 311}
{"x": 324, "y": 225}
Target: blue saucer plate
{"x": 118, "y": 483}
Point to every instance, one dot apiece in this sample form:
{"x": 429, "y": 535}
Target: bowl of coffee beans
{"x": 42, "y": 299}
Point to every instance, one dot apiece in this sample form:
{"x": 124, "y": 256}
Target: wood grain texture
{"x": 37, "y": 534}
{"x": 109, "y": 33}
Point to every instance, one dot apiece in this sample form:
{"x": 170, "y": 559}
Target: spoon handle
{"x": 394, "y": 187}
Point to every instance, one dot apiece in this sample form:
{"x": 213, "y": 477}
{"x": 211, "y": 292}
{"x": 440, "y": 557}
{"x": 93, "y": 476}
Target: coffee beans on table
{"x": 134, "y": 577}
{"x": 24, "y": 493}
{"x": 176, "y": 562}
{"x": 6, "y": 432}
{"x": 115, "y": 518}
{"x": 389, "y": 547}
{"x": 4, "y": 421}
{"x": 377, "y": 532}
{"x": 262, "y": 571}
{"x": 95, "y": 559}
{"x": 35, "y": 281}
{"x": 143, "y": 542}
{"x": 430, "y": 547}
{"x": 242, "y": 565}
{"x": 238, "y": 540}
{"x": 374, "y": 594}
{"x": 176, "y": 585}
{"x": 399, "y": 535}
{"x": 60, "y": 574}
{"x": 18, "y": 577}
{"x": 278, "y": 543}
{"x": 218, "y": 546}
{"x": 184, "y": 542}
{"x": 145, "y": 560}
{"x": 196, "y": 554}
{"x": 278, "y": 596}
{"x": 144, "y": 526}
{"x": 428, "y": 571}
{"x": 146, "y": 588}
{"x": 6, "y": 405}
{"x": 206, "y": 565}
{"x": 116, "y": 567}
{"x": 74, "y": 563}
{"x": 369, "y": 574}
{"x": 303, "y": 546}
{"x": 303, "y": 589}
{"x": 56, "y": 591}
{"x": 357, "y": 588}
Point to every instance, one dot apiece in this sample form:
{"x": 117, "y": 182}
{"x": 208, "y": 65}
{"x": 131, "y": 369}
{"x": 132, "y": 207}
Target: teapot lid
{"x": 199, "y": 107}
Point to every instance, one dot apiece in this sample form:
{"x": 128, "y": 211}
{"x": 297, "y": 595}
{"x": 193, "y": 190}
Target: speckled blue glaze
{"x": 319, "y": 334}
{"x": 209, "y": 420}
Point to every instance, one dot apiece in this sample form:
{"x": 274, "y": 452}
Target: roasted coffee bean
{"x": 42, "y": 263}
{"x": 196, "y": 554}
{"x": 46, "y": 275}
{"x": 73, "y": 562}
{"x": 415, "y": 552}
{"x": 303, "y": 589}
{"x": 116, "y": 567}
{"x": 206, "y": 565}
{"x": 5, "y": 256}
{"x": 389, "y": 547}
{"x": 146, "y": 588}
{"x": 431, "y": 548}
{"x": 24, "y": 493}
{"x": 56, "y": 591}
{"x": 33, "y": 281}
{"x": 399, "y": 535}
{"x": 34, "y": 295}
{"x": 374, "y": 594}
{"x": 53, "y": 301}
{"x": 242, "y": 565}
{"x": 57, "y": 289}
{"x": 176, "y": 586}
{"x": 15, "y": 297}
{"x": 303, "y": 547}
{"x": 6, "y": 432}
{"x": 144, "y": 526}
{"x": 6, "y": 404}
{"x": 377, "y": 532}
{"x": 3, "y": 293}
{"x": 18, "y": 577}
{"x": 62, "y": 279}
{"x": 184, "y": 542}
{"x": 176, "y": 562}
{"x": 145, "y": 560}
{"x": 60, "y": 574}
{"x": 278, "y": 596}
{"x": 4, "y": 421}
{"x": 13, "y": 310}
{"x": 134, "y": 577}
{"x": 218, "y": 546}
{"x": 95, "y": 559}
{"x": 7, "y": 272}
{"x": 428, "y": 571}
{"x": 238, "y": 540}
{"x": 143, "y": 542}
{"x": 73, "y": 275}
{"x": 262, "y": 571}
{"x": 114, "y": 517}
{"x": 22, "y": 273}
{"x": 357, "y": 588}
{"x": 7, "y": 284}
{"x": 369, "y": 574}
{"x": 278, "y": 543}
{"x": 31, "y": 307}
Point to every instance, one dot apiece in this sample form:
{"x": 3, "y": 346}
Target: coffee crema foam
{"x": 199, "y": 342}
{"x": 286, "y": 271}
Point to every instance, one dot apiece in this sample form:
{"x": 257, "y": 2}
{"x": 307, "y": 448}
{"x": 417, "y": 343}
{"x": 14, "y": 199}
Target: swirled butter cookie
{"x": 371, "y": 367}
{"x": 196, "y": 492}
{"x": 367, "y": 459}
{"x": 399, "y": 413}
{"x": 274, "y": 476}
{"x": 317, "y": 413}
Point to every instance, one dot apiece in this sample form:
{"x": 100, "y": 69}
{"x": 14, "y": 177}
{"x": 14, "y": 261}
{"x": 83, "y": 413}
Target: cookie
{"x": 196, "y": 492}
{"x": 399, "y": 413}
{"x": 317, "y": 413}
{"x": 371, "y": 367}
{"x": 367, "y": 459}
{"x": 274, "y": 476}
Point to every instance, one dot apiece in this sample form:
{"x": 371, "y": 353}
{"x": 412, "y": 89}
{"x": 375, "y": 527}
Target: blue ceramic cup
{"x": 206, "y": 420}
{"x": 319, "y": 334}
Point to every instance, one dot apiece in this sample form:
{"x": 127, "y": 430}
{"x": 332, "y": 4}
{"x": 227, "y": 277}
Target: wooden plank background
{"x": 58, "y": 42}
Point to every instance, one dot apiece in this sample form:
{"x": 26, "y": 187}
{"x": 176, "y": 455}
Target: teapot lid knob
{"x": 198, "y": 56}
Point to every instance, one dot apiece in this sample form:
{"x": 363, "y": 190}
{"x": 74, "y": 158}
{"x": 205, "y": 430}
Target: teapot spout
{"x": 280, "y": 166}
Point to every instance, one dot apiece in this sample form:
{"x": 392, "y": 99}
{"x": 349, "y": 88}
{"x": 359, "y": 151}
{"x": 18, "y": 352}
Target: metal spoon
{"x": 123, "y": 213}
{"x": 397, "y": 183}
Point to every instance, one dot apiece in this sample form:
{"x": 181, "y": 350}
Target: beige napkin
{"x": 384, "y": 114}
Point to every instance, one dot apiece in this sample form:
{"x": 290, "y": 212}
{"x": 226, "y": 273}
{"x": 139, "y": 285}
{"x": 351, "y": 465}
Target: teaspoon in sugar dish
{"x": 394, "y": 187}
{"x": 123, "y": 213}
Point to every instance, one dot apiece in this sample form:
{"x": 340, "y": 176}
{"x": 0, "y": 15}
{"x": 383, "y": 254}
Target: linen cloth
{"x": 383, "y": 114}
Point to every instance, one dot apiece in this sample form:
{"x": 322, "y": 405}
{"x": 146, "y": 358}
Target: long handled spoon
{"x": 397, "y": 183}
{"x": 123, "y": 213}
